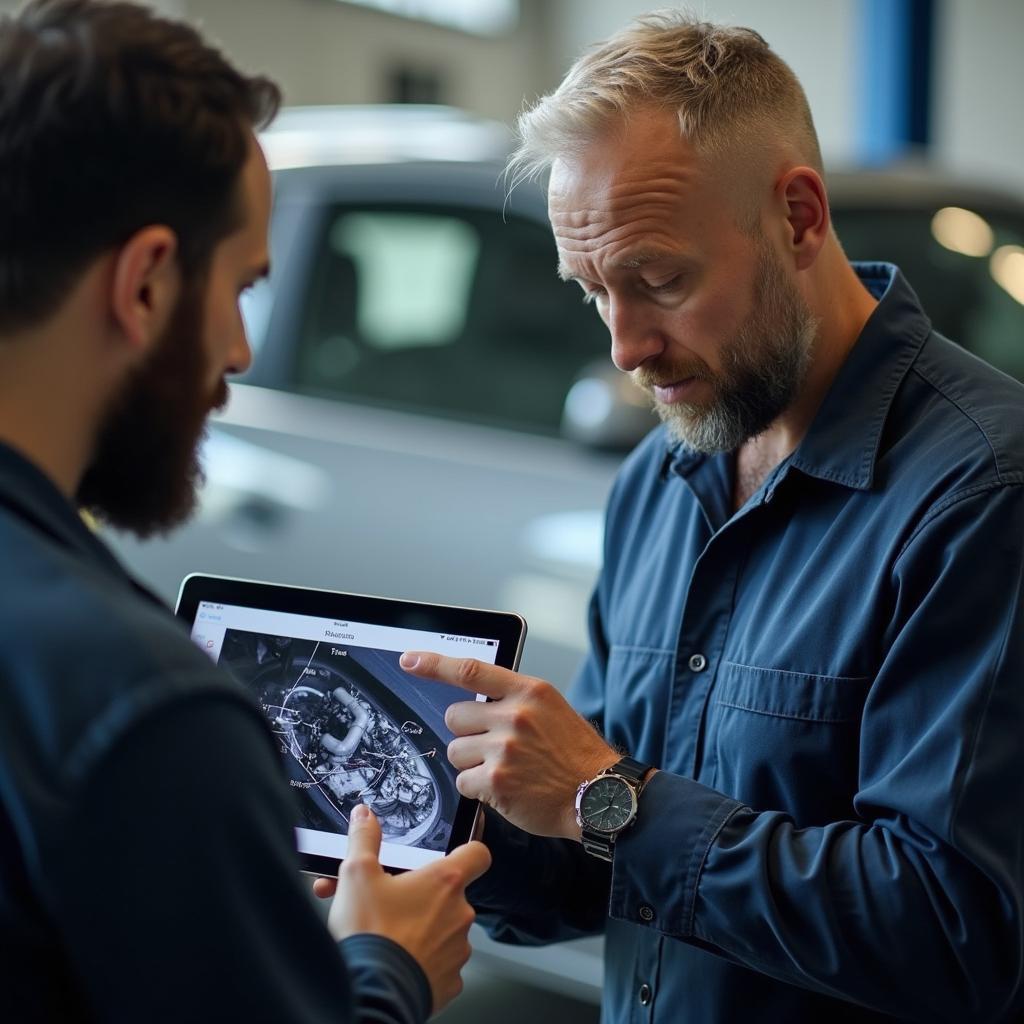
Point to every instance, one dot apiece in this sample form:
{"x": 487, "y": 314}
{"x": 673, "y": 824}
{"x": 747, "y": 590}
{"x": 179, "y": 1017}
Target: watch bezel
{"x": 633, "y": 803}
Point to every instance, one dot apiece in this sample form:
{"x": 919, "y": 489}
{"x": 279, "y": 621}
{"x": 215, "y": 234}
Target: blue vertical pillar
{"x": 894, "y": 86}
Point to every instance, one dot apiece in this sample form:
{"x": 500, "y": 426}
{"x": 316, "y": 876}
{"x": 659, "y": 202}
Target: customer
{"x": 147, "y": 869}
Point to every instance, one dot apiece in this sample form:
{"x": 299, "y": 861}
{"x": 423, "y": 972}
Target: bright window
{"x": 483, "y": 17}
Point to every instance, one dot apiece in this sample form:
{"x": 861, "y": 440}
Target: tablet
{"x": 350, "y": 725}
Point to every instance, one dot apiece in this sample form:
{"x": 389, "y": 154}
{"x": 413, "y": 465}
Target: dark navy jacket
{"x": 832, "y": 682}
{"x": 147, "y": 866}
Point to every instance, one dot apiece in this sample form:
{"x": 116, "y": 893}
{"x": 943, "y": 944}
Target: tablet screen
{"x": 351, "y": 726}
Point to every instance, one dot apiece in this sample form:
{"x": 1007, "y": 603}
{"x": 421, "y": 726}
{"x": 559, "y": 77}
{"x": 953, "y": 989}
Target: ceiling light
{"x": 962, "y": 231}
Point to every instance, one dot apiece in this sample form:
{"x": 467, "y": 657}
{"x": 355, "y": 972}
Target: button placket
{"x": 701, "y": 636}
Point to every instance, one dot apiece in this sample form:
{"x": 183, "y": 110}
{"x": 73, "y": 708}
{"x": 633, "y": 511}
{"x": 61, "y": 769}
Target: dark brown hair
{"x": 111, "y": 119}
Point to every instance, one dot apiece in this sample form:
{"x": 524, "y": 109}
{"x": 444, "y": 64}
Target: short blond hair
{"x": 728, "y": 88}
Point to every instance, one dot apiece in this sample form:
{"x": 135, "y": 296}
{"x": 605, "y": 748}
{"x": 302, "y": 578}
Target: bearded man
{"x": 147, "y": 862}
{"x": 809, "y": 628}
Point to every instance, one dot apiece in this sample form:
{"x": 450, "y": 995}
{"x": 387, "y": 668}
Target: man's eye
{"x": 594, "y": 295}
{"x": 665, "y": 286}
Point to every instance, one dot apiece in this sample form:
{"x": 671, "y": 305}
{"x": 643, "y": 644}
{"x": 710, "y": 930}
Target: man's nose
{"x": 636, "y": 336}
{"x": 240, "y": 356}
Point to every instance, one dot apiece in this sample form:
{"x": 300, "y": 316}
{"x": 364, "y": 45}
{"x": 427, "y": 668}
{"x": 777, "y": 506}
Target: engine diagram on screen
{"x": 346, "y": 740}
{"x": 354, "y": 753}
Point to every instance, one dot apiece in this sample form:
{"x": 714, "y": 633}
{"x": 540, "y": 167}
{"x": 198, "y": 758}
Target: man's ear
{"x": 805, "y": 204}
{"x": 145, "y": 285}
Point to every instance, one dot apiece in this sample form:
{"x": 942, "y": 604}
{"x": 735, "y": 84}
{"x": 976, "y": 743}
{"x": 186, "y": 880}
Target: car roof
{"x": 376, "y": 135}
{"x": 326, "y": 136}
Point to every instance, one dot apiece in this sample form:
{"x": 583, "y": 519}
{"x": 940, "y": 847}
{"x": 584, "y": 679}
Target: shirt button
{"x": 645, "y": 994}
{"x": 698, "y": 663}
{"x": 646, "y": 912}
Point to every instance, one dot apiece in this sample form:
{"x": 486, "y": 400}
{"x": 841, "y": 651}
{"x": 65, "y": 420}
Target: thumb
{"x": 363, "y": 834}
{"x": 472, "y": 860}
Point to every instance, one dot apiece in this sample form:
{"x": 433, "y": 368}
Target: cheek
{"x": 710, "y": 321}
{"x": 223, "y": 325}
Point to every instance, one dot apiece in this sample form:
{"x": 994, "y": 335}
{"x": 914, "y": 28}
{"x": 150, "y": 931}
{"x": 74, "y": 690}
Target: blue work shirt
{"x": 830, "y": 681}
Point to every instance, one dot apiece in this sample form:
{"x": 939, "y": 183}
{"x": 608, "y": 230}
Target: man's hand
{"x": 525, "y": 752}
{"x": 424, "y": 911}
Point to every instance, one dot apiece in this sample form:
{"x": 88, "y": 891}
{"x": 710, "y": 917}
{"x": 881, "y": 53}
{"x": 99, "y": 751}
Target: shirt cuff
{"x": 387, "y": 978}
{"x": 658, "y": 860}
{"x": 509, "y": 849}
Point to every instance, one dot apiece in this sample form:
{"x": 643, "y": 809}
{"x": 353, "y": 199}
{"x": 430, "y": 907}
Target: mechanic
{"x": 147, "y": 862}
{"x": 807, "y": 635}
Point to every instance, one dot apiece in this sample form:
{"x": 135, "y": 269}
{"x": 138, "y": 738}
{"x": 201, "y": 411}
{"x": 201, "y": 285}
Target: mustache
{"x": 220, "y": 396}
{"x": 663, "y": 374}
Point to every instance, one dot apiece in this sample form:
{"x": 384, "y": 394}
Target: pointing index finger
{"x": 466, "y": 673}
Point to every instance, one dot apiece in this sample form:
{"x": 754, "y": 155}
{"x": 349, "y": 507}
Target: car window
{"x": 455, "y": 312}
{"x": 967, "y": 271}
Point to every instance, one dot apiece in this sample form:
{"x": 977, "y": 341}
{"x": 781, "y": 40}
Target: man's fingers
{"x": 363, "y": 834}
{"x": 325, "y": 888}
{"x": 472, "y": 784}
{"x": 469, "y": 717}
{"x": 466, "y": 752}
{"x": 467, "y": 673}
{"x": 472, "y": 860}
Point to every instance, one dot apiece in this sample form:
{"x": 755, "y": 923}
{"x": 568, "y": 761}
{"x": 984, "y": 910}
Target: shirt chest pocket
{"x": 639, "y": 682}
{"x": 786, "y": 741}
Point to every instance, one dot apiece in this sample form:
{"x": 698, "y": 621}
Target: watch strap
{"x": 629, "y": 768}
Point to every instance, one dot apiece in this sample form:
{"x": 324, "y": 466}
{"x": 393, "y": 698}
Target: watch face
{"x": 607, "y": 804}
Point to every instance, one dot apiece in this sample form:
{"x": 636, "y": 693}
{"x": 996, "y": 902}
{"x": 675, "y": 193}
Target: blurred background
{"x": 487, "y": 56}
{"x": 431, "y": 414}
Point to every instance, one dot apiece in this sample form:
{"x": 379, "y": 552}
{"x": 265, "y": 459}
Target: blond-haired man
{"x": 808, "y": 630}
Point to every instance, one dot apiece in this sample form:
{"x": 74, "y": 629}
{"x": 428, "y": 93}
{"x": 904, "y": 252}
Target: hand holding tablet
{"x": 364, "y": 748}
{"x": 425, "y": 911}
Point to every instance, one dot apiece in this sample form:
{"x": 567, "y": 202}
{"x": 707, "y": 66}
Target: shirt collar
{"x": 842, "y": 442}
{"x": 33, "y": 497}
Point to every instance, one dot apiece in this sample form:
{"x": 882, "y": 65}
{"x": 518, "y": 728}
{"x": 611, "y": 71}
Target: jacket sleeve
{"x": 177, "y": 891}
{"x": 912, "y": 906}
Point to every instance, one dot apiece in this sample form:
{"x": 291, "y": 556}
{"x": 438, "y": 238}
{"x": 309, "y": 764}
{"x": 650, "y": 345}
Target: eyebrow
{"x": 642, "y": 258}
{"x": 633, "y": 261}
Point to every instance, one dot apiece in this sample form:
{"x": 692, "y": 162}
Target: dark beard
{"x": 145, "y": 472}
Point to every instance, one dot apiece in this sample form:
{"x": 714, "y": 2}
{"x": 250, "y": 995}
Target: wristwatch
{"x": 607, "y": 804}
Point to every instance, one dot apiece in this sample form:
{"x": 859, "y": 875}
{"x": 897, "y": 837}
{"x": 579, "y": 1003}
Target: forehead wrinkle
{"x": 643, "y": 214}
{"x": 620, "y": 199}
{"x": 632, "y": 207}
{"x": 645, "y": 219}
{"x": 612, "y": 248}
{"x": 620, "y": 209}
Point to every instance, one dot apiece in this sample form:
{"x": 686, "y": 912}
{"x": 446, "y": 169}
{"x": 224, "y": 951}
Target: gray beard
{"x": 765, "y": 367}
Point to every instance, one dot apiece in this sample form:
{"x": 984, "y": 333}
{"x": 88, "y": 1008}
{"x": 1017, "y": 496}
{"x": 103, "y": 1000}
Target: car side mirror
{"x": 605, "y": 409}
